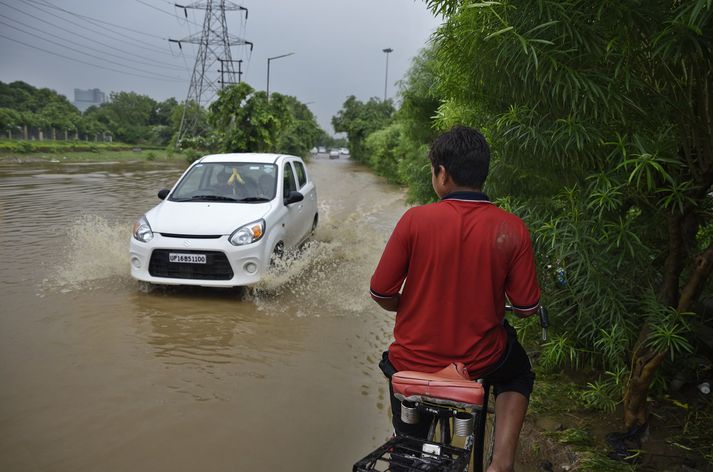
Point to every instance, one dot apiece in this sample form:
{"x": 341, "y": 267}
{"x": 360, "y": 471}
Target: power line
{"x": 165, "y": 12}
{"x": 102, "y": 24}
{"x": 85, "y": 53}
{"x": 152, "y": 64}
{"x": 85, "y": 62}
{"x": 95, "y": 19}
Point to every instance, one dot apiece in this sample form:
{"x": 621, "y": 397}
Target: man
{"x": 446, "y": 271}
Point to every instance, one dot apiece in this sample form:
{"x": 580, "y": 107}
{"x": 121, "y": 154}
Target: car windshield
{"x": 245, "y": 182}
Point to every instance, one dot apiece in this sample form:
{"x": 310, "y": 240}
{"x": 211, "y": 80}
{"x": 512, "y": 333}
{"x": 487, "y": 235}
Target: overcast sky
{"x": 337, "y": 44}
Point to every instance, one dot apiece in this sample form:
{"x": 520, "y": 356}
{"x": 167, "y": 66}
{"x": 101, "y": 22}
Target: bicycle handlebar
{"x": 544, "y": 319}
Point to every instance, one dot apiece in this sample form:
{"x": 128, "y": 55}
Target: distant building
{"x": 84, "y": 99}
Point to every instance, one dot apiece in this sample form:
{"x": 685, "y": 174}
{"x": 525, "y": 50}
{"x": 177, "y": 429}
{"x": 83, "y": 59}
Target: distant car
{"x": 322, "y": 150}
{"x": 224, "y": 221}
{"x": 313, "y": 150}
{"x": 344, "y": 151}
{"x": 334, "y": 154}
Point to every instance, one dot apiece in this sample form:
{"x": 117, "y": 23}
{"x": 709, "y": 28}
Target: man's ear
{"x": 443, "y": 176}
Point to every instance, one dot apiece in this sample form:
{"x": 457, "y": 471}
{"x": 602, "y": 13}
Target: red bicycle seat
{"x": 450, "y": 386}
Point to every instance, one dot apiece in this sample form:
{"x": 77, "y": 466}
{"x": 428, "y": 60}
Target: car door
{"x": 292, "y": 220}
{"x": 309, "y": 205}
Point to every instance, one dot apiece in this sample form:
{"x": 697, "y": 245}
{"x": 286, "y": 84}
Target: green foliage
{"x": 596, "y": 462}
{"x": 415, "y": 172}
{"x": 302, "y": 132}
{"x": 670, "y": 331}
{"x": 359, "y": 119}
{"x": 10, "y": 120}
{"x": 573, "y": 436}
{"x": 23, "y": 97}
{"x": 605, "y": 393}
{"x": 195, "y": 115}
{"x": 244, "y": 121}
{"x": 192, "y": 155}
{"x": 555, "y": 393}
{"x": 57, "y": 147}
{"x": 559, "y": 351}
{"x": 24, "y": 105}
{"x": 383, "y": 152}
{"x": 126, "y": 114}
{"x": 596, "y": 118}
{"x": 419, "y": 100}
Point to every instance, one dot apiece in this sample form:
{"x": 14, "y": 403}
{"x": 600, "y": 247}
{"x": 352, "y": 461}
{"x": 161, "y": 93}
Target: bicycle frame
{"x": 404, "y": 453}
{"x": 411, "y": 454}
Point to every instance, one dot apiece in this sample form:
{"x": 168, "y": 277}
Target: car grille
{"x": 216, "y": 267}
{"x": 191, "y": 236}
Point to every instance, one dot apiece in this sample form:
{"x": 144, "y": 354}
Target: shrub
{"x": 191, "y": 155}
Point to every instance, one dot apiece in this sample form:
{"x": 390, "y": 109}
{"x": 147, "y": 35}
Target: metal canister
{"x": 463, "y": 423}
{"x": 409, "y": 412}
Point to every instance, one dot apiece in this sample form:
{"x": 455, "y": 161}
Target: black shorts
{"x": 512, "y": 373}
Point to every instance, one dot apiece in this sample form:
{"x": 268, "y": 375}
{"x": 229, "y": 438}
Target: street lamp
{"x": 268, "y": 70}
{"x": 386, "y": 78}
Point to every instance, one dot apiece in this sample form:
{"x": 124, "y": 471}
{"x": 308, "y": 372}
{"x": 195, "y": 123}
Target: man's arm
{"x": 388, "y": 303}
{"x": 524, "y": 312}
{"x": 392, "y": 269}
{"x": 521, "y": 287}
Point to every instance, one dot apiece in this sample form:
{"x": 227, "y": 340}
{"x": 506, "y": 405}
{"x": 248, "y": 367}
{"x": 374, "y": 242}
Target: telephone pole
{"x": 214, "y": 44}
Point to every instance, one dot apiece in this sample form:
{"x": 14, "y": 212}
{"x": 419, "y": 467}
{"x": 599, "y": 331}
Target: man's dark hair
{"x": 465, "y": 155}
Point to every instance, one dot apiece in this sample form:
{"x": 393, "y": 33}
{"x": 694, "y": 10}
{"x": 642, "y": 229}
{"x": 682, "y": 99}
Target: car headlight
{"x": 142, "y": 230}
{"x": 248, "y": 234}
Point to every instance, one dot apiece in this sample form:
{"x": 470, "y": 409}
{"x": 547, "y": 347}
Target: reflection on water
{"x": 101, "y": 375}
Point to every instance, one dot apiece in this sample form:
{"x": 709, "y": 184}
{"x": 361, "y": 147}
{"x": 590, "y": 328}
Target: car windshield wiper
{"x": 253, "y": 199}
{"x": 213, "y": 198}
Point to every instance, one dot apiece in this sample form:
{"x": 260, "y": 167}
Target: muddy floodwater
{"x": 98, "y": 375}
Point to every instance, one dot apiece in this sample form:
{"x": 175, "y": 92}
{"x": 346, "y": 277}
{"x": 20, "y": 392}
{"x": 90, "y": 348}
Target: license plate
{"x": 187, "y": 258}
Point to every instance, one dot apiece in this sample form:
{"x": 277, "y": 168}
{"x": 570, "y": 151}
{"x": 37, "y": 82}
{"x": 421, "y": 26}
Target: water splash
{"x": 330, "y": 274}
{"x": 97, "y": 251}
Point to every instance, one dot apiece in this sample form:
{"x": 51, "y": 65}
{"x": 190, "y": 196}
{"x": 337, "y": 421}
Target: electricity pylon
{"x": 214, "y": 44}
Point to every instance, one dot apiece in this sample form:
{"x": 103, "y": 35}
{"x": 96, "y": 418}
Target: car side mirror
{"x": 163, "y": 193}
{"x": 293, "y": 197}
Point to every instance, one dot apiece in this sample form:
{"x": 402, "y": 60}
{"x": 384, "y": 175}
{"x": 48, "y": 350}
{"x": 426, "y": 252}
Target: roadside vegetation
{"x": 599, "y": 116}
{"x": 38, "y": 120}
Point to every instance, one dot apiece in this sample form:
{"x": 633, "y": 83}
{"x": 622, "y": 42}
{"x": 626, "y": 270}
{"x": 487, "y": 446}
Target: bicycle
{"x": 459, "y": 408}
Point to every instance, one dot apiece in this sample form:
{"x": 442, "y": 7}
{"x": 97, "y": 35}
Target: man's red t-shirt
{"x": 460, "y": 258}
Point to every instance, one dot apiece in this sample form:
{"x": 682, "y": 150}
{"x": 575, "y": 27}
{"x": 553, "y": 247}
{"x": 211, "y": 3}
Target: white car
{"x": 334, "y": 154}
{"x": 224, "y": 220}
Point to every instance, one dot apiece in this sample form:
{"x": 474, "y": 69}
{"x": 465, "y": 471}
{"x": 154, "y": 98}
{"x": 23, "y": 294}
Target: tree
{"x": 10, "y": 120}
{"x": 130, "y": 114}
{"x": 244, "y": 121}
{"x": 302, "y": 131}
{"x": 359, "y": 119}
{"x": 419, "y": 97}
{"x": 599, "y": 117}
{"x": 162, "y": 113}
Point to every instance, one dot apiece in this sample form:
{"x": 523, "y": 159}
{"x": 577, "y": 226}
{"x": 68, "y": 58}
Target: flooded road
{"x": 100, "y": 375}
